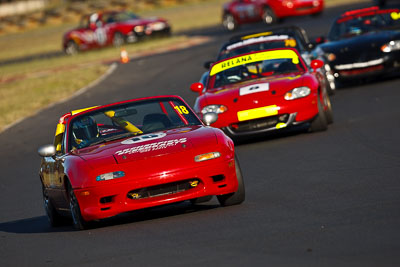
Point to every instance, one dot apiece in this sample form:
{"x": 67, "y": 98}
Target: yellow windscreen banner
{"x": 241, "y": 60}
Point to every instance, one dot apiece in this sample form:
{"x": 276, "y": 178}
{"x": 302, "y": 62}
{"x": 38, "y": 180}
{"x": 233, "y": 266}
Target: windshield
{"x": 124, "y": 16}
{"x": 128, "y": 119}
{"x": 357, "y": 25}
{"x": 272, "y": 62}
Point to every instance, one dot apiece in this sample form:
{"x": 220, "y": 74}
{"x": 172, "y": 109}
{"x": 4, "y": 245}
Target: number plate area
{"x": 256, "y": 113}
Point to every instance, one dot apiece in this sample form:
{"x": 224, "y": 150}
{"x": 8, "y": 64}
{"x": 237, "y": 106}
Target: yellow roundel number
{"x": 290, "y": 42}
{"x": 181, "y": 109}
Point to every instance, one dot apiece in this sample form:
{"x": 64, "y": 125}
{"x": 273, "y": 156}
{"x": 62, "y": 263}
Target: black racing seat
{"x": 155, "y": 122}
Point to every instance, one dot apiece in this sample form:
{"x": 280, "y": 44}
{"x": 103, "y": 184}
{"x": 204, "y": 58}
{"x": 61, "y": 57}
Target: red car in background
{"x": 132, "y": 155}
{"x": 239, "y": 12}
{"x": 264, "y": 91}
{"x": 111, "y": 28}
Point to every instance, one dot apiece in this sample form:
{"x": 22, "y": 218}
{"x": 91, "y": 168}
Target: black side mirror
{"x": 208, "y": 64}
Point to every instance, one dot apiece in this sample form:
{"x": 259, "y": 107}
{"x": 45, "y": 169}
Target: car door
{"x": 94, "y": 33}
{"x": 56, "y": 180}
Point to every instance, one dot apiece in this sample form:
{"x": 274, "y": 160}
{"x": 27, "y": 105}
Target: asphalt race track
{"x": 323, "y": 199}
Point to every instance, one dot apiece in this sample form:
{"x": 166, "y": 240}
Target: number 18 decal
{"x": 181, "y": 109}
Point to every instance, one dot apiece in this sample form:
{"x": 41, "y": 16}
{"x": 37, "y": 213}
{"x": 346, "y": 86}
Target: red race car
{"x": 135, "y": 154}
{"x": 239, "y": 12}
{"x": 263, "y": 91}
{"x": 111, "y": 28}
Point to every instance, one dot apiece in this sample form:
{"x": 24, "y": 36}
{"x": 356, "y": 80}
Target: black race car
{"x": 382, "y": 3}
{"x": 281, "y": 37}
{"x": 363, "y": 43}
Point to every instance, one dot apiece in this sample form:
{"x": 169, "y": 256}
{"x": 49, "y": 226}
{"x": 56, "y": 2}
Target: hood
{"x": 266, "y": 87}
{"x": 360, "y": 44}
{"x": 159, "y": 144}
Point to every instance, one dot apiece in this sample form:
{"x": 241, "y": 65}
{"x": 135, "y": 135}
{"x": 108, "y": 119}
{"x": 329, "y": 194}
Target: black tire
{"x": 77, "y": 220}
{"x": 328, "y": 111}
{"x": 118, "y": 39}
{"x": 319, "y": 123}
{"x": 71, "y": 48}
{"x": 330, "y": 86}
{"x": 229, "y": 22}
{"x": 237, "y": 197}
{"x": 329, "y": 90}
{"x": 269, "y": 16}
{"x": 200, "y": 200}
{"x": 55, "y": 219}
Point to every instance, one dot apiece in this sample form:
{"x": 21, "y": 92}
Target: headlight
{"x": 298, "y": 92}
{"x": 214, "y": 108}
{"x": 139, "y": 28}
{"x": 110, "y": 175}
{"x": 391, "y": 46}
{"x": 207, "y": 156}
{"x": 331, "y": 56}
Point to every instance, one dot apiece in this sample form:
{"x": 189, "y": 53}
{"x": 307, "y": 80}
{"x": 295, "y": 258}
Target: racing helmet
{"x": 85, "y": 128}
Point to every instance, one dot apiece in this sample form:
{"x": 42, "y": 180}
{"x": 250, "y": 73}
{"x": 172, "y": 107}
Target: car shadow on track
{"x": 177, "y": 209}
{"x": 32, "y": 225}
{"x": 40, "y": 224}
{"x": 282, "y": 133}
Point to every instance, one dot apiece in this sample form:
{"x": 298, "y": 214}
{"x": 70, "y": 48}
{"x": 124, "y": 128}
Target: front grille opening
{"x": 222, "y": 185}
{"x": 103, "y": 209}
{"x": 218, "y": 178}
{"x": 259, "y": 124}
{"x": 164, "y": 189}
{"x": 105, "y": 200}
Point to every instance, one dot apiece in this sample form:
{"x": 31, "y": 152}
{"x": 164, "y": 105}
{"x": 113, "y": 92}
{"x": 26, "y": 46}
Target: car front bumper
{"x": 290, "y": 113}
{"x": 369, "y": 68}
{"x": 212, "y": 178}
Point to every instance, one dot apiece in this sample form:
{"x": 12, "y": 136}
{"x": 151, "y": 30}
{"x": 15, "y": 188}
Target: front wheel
{"x": 229, "y": 22}
{"x": 319, "y": 123}
{"x": 71, "y": 48}
{"x": 328, "y": 111}
{"x": 55, "y": 219}
{"x": 237, "y": 197}
{"x": 77, "y": 219}
{"x": 269, "y": 16}
{"x": 118, "y": 39}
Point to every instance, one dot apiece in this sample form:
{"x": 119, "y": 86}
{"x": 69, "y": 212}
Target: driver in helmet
{"x": 84, "y": 131}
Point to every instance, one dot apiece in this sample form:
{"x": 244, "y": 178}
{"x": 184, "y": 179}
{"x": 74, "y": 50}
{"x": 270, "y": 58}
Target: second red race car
{"x": 111, "y": 28}
{"x": 264, "y": 91}
{"x": 132, "y": 155}
{"x": 238, "y": 12}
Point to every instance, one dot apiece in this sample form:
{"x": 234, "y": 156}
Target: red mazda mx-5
{"x": 237, "y": 12}
{"x": 263, "y": 91}
{"x": 135, "y": 154}
{"x": 111, "y": 28}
